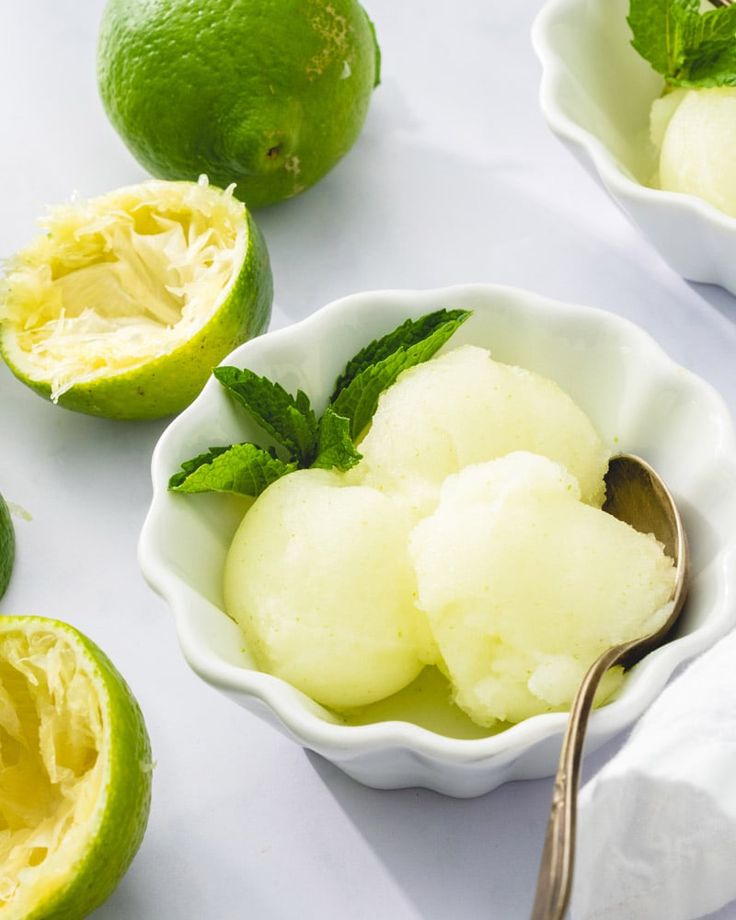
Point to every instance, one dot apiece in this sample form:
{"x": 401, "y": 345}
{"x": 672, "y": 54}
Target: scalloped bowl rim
{"x": 291, "y": 706}
{"x": 608, "y": 167}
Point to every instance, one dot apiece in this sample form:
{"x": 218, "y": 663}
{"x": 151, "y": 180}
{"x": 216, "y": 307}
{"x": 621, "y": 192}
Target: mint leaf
{"x": 409, "y": 333}
{"x": 242, "y": 468}
{"x": 712, "y": 60}
{"x": 717, "y": 25}
{"x": 189, "y": 466}
{"x": 661, "y": 30}
{"x": 289, "y": 420}
{"x": 688, "y": 48}
{"x": 336, "y": 449}
{"x": 378, "y": 365}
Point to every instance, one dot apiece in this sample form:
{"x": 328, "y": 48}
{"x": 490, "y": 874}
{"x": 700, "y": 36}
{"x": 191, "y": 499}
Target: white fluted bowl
{"x": 637, "y": 397}
{"x": 596, "y": 94}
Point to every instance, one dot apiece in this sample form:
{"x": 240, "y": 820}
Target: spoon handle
{"x": 558, "y": 857}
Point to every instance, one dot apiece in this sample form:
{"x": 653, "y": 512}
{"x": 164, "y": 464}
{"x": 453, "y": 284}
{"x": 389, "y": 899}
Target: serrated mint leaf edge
{"x": 242, "y": 469}
{"x": 336, "y": 448}
{"x": 408, "y": 333}
{"x": 359, "y": 399}
{"x": 293, "y": 426}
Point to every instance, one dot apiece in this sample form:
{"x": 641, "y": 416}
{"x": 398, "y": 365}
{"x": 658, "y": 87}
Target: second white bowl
{"x": 596, "y": 95}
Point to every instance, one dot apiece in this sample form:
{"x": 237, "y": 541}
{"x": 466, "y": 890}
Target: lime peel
{"x": 276, "y": 94}
{"x": 75, "y": 772}
{"x": 7, "y": 546}
{"x": 19, "y": 511}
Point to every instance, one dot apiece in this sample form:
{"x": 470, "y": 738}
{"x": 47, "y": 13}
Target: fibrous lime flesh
{"x": 75, "y": 772}
{"x": 127, "y": 302}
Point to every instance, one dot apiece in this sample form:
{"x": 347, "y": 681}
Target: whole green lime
{"x": 126, "y": 302}
{"x": 268, "y": 94}
{"x": 75, "y": 772}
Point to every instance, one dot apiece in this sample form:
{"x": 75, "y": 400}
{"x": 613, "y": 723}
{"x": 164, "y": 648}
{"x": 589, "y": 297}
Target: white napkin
{"x": 657, "y": 825}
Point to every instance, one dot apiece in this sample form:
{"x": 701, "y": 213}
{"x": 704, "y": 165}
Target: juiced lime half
{"x": 127, "y": 301}
{"x": 7, "y": 547}
{"x": 75, "y": 772}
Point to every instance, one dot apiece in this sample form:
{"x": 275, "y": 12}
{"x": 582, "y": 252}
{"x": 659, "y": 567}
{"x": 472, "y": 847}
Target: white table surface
{"x": 454, "y": 179}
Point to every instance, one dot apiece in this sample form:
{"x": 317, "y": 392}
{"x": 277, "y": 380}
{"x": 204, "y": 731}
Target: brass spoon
{"x": 637, "y": 496}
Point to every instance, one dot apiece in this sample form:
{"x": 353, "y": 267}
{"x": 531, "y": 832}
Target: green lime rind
{"x": 7, "y": 546}
{"x": 277, "y": 92}
{"x": 377, "y": 52}
{"x": 119, "y": 822}
{"x": 167, "y": 384}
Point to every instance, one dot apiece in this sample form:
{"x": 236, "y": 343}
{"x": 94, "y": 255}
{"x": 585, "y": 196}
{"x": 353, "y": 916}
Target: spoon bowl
{"x": 638, "y": 496}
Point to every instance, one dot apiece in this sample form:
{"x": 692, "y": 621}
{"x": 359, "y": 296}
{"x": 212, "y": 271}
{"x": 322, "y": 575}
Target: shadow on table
{"x": 402, "y": 212}
{"x": 719, "y": 298}
{"x": 459, "y": 858}
{"x": 128, "y": 900}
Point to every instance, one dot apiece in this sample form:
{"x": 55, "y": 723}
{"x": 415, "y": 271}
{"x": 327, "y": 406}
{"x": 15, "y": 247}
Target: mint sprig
{"x": 291, "y": 422}
{"x": 687, "y": 47}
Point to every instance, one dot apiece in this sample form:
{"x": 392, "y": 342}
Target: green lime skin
{"x": 7, "y": 546}
{"x": 268, "y": 94}
{"x": 117, "y": 837}
{"x": 166, "y": 385}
